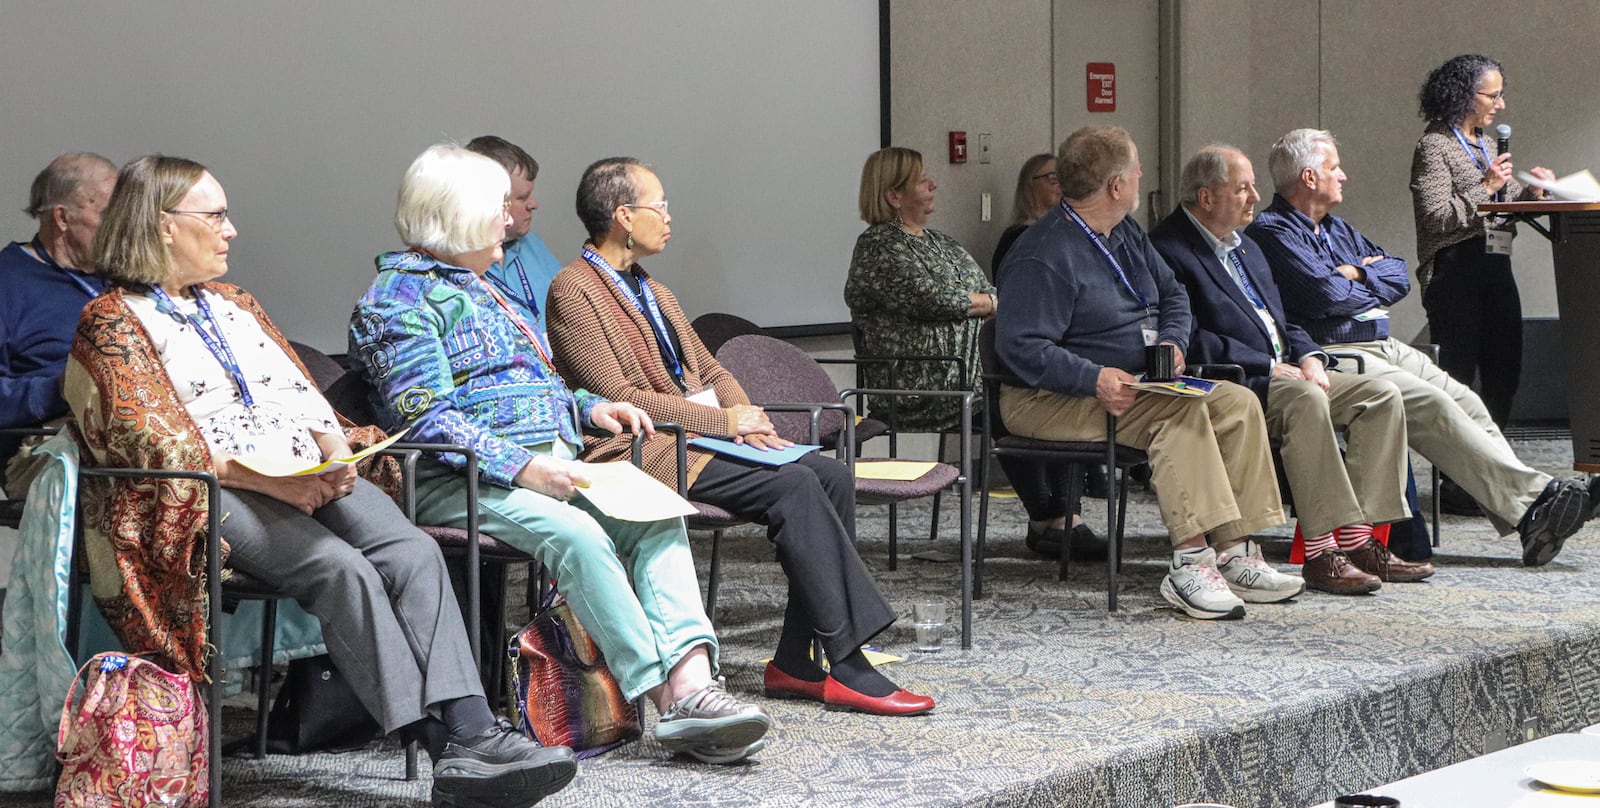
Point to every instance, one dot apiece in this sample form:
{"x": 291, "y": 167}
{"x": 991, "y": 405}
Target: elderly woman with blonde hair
{"x": 453, "y": 362}
{"x": 174, "y": 369}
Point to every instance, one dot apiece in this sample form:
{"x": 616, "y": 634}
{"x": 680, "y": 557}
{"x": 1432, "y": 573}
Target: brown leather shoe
{"x": 1331, "y": 572}
{"x": 1373, "y": 558}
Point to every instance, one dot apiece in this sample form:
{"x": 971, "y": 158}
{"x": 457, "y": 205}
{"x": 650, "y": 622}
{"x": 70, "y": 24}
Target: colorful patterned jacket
{"x": 446, "y": 361}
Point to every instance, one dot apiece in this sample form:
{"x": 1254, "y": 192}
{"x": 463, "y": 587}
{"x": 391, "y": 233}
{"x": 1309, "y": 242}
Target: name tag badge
{"x": 1371, "y": 314}
{"x": 1497, "y": 241}
{"x": 708, "y": 397}
{"x": 1150, "y": 336}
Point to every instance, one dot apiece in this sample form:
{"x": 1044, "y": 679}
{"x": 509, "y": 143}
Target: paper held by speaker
{"x": 1577, "y": 187}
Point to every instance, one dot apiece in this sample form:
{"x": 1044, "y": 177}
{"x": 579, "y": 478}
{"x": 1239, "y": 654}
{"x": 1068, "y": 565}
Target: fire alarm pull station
{"x": 958, "y": 147}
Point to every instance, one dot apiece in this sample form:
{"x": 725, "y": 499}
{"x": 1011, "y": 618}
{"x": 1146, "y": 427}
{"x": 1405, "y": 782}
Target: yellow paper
{"x": 278, "y": 467}
{"x": 899, "y": 470}
{"x": 623, "y": 491}
{"x": 874, "y": 657}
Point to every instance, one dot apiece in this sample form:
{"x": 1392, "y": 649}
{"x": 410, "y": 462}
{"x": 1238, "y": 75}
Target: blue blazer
{"x": 1226, "y": 329}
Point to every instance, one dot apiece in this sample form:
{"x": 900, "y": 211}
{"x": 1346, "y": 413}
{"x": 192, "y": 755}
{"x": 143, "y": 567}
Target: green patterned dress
{"x": 908, "y": 295}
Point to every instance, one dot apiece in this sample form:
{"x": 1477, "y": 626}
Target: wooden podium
{"x": 1574, "y": 233}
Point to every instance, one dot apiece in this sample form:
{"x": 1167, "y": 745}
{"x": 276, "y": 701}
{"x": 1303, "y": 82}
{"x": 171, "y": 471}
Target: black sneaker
{"x": 500, "y": 769}
{"x": 1557, "y": 514}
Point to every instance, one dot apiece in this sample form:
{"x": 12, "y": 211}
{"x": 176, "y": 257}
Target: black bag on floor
{"x": 316, "y": 710}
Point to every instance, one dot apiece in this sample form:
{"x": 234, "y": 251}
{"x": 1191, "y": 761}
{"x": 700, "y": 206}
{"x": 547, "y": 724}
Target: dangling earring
{"x": 630, "y": 241}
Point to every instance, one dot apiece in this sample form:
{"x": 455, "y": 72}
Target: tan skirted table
{"x": 1574, "y": 233}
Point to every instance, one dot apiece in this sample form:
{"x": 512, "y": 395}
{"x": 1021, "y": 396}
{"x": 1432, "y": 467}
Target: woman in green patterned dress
{"x": 913, "y": 290}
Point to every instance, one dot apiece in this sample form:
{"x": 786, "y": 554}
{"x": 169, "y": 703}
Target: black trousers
{"x": 1042, "y": 486}
{"x": 809, "y": 508}
{"x": 1475, "y": 316}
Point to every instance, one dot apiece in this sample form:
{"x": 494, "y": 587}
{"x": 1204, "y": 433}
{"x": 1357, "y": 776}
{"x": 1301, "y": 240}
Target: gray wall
{"x": 756, "y": 114}
{"x": 1247, "y": 71}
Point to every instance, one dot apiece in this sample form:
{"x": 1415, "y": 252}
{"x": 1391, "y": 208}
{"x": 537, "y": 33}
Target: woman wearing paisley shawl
{"x": 172, "y": 369}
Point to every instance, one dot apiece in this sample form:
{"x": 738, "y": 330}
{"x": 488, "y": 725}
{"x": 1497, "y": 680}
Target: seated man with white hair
{"x": 1335, "y": 284}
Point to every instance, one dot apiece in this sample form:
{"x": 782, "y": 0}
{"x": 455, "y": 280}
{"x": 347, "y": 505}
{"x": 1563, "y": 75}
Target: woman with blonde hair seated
{"x": 451, "y": 361}
{"x": 173, "y": 369}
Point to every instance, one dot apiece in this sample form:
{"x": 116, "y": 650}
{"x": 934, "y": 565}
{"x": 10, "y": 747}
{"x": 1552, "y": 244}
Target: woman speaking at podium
{"x": 1463, "y": 256}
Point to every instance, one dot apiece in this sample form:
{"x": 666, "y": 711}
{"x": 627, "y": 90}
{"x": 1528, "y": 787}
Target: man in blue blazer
{"x": 1239, "y": 319}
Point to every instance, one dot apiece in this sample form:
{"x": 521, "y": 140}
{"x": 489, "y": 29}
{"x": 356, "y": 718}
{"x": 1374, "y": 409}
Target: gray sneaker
{"x": 1552, "y": 518}
{"x": 1252, "y": 579}
{"x": 1194, "y": 585}
{"x": 713, "y": 726}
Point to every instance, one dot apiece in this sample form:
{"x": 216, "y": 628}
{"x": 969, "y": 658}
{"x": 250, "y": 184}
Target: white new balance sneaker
{"x": 1194, "y": 585}
{"x": 1254, "y": 580}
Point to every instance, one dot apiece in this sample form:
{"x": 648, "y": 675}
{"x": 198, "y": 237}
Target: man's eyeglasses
{"x": 659, "y": 207}
{"x": 215, "y": 218}
{"x": 1049, "y": 176}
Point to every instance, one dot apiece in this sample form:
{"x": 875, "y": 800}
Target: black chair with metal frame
{"x": 782, "y": 378}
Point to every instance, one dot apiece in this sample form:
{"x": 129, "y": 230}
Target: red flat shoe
{"x": 780, "y": 685}
{"x": 900, "y": 702}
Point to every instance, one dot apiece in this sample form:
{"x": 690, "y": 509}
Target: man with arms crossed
{"x": 1335, "y": 283}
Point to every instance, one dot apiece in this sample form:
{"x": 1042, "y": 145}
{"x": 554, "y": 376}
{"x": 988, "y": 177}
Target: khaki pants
{"x": 1364, "y": 485}
{"x": 1209, "y": 458}
{"x": 1448, "y": 424}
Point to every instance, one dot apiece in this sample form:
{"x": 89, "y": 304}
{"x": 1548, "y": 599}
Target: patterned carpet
{"x": 1060, "y": 703}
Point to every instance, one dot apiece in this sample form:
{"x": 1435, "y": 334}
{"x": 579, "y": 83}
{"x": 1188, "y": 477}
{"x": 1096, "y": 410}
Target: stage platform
{"x": 1060, "y": 703}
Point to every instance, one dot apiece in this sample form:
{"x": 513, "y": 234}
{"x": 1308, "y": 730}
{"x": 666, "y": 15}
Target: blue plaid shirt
{"x": 1305, "y": 265}
{"x": 446, "y": 361}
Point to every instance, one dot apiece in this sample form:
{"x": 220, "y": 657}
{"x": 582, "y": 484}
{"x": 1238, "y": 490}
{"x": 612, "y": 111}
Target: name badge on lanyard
{"x": 1497, "y": 240}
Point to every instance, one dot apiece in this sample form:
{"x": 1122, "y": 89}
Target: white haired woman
{"x": 451, "y": 361}
{"x": 172, "y": 369}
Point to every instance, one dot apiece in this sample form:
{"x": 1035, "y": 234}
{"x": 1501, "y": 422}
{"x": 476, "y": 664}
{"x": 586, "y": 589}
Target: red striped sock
{"x": 1351, "y": 537}
{"x": 1317, "y": 545}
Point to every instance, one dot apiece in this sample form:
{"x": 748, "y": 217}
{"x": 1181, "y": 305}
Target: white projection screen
{"x": 756, "y": 114}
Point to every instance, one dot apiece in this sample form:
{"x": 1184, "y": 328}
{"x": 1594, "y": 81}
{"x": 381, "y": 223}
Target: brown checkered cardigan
{"x": 605, "y": 345}
{"x": 1446, "y": 189}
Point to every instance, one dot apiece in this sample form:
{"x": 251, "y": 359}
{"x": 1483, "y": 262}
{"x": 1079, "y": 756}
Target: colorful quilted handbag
{"x": 565, "y": 692}
{"x": 139, "y": 738}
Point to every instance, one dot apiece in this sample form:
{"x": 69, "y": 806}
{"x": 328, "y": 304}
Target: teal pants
{"x": 643, "y": 629}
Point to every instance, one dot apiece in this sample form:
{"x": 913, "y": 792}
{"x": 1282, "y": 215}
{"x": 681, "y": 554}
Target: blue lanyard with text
{"x": 1255, "y": 299}
{"x": 1482, "y": 147}
{"x": 527, "y": 288}
{"x": 44, "y": 255}
{"x": 1115, "y": 267}
{"x": 217, "y": 344}
{"x": 648, "y": 307}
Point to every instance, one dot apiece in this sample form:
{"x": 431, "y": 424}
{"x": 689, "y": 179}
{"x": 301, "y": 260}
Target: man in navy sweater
{"x": 1084, "y": 293}
{"x": 1239, "y": 320}
{"x": 43, "y": 286}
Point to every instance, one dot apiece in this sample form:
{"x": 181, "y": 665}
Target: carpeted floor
{"x": 1062, "y": 703}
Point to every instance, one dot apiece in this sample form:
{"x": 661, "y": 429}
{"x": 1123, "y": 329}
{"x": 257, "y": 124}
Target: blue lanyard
{"x": 1482, "y": 147}
{"x": 648, "y": 307}
{"x": 527, "y": 288}
{"x": 1115, "y": 267}
{"x": 1255, "y": 299}
{"x": 75, "y": 277}
{"x": 217, "y": 344}
{"x": 1244, "y": 281}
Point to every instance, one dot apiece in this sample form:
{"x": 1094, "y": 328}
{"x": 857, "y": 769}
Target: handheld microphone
{"x": 1502, "y": 142}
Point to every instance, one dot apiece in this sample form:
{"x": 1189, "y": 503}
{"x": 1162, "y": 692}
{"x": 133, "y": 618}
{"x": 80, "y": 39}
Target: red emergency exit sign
{"x": 1102, "y": 79}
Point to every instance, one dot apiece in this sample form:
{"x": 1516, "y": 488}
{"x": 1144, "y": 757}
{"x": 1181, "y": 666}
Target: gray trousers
{"x": 1448, "y": 424}
{"x": 377, "y": 584}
